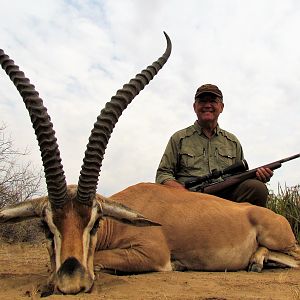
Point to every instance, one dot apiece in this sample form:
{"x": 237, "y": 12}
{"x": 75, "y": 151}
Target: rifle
{"x": 231, "y": 175}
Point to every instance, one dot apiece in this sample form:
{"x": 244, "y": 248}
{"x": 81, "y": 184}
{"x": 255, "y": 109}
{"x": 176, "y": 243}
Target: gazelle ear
{"x": 125, "y": 214}
{"x": 23, "y": 211}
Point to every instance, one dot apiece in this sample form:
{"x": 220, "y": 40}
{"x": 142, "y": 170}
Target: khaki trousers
{"x": 250, "y": 190}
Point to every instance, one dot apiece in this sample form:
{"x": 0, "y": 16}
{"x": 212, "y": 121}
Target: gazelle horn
{"x": 106, "y": 122}
{"x": 55, "y": 179}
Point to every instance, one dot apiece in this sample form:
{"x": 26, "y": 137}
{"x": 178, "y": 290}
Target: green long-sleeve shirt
{"x": 190, "y": 153}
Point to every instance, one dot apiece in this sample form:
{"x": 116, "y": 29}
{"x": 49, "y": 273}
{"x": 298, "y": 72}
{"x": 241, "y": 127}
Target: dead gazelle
{"x": 72, "y": 214}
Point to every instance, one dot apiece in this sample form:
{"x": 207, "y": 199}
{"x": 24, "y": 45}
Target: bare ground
{"x": 23, "y": 267}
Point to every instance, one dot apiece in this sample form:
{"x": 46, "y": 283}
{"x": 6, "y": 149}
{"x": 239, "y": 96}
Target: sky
{"x": 79, "y": 53}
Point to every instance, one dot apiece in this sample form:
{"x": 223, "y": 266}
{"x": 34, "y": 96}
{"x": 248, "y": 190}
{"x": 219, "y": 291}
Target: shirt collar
{"x": 199, "y": 128}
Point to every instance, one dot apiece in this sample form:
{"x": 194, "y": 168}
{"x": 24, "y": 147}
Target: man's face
{"x": 208, "y": 108}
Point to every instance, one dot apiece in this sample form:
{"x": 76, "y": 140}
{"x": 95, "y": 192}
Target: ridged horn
{"x": 55, "y": 179}
{"x": 105, "y": 124}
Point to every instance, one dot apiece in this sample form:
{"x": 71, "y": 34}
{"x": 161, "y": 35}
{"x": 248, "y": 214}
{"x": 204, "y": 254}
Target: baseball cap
{"x": 208, "y": 88}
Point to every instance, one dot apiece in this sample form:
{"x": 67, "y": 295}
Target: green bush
{"x": 287, "y": 203}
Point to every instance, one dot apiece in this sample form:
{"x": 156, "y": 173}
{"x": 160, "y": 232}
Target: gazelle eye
{"x": 95, "y": 227}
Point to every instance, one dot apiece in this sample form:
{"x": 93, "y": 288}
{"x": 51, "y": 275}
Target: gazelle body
{"x": 197, "y": 232}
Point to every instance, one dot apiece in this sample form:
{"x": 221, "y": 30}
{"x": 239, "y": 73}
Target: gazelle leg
{"x": 257, "y": 259}
{"x": 134, "y": 259}
{"x": 294, "y": 251}
{"x": 290, "y": 257}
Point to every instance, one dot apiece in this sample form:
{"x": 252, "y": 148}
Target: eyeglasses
{"x": 213, "y": 101}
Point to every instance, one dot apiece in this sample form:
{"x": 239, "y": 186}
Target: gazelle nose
{"x": 70, "y": 266}
{"x": 72, "y": 277}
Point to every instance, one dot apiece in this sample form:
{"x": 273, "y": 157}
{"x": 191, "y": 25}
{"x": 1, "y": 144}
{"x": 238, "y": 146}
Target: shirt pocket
{"x": 191, "y": 161}
{"x": 226, "y": 157}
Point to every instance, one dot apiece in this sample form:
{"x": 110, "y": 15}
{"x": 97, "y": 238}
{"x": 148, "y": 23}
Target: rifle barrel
{"x": 235, "y": 179}
{"x": 290, "y": 158}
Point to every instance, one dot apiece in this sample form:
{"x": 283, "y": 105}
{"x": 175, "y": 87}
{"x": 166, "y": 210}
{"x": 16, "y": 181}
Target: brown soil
{"x": 23, "y": 267}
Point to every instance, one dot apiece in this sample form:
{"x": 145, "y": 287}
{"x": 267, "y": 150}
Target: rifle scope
{"x": 240, "y": 166}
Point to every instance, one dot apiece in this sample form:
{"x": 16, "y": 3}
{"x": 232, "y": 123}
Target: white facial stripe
{"x": 57, "y": 236}
{"x": 86, "y": 233}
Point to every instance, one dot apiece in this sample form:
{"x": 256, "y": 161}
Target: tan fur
{"x": 199, "y": 232}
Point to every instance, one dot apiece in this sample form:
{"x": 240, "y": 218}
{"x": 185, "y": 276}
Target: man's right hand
{"x": 174, "y": 184}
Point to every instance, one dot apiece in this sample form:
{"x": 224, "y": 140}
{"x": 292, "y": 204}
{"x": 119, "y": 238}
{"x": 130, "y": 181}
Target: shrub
{"x": 18, "y": 182}
{"x": 30, "y": 231}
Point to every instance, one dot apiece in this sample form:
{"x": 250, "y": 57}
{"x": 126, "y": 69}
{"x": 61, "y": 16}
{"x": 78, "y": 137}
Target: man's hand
{"x": 264, "y": 174}
{"x": 174, "y": 184}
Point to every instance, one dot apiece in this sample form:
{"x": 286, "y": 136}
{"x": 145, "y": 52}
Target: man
{"x": 204, "y": 146}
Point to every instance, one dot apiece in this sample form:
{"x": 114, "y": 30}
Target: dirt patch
{"x": 23, "y": 267}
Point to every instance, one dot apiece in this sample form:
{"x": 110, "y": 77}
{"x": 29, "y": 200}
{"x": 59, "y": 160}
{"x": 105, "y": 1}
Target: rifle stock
{"x": 214, "y": 188}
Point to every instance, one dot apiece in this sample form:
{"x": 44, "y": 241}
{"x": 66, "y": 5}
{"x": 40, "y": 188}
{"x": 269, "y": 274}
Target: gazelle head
{"x": 72, "y": 214}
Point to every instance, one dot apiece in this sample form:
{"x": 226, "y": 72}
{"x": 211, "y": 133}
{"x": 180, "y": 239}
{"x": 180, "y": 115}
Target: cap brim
{"x": 208, "y": 92}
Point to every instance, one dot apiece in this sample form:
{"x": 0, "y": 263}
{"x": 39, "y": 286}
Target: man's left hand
{"x": 264, "y": 174}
